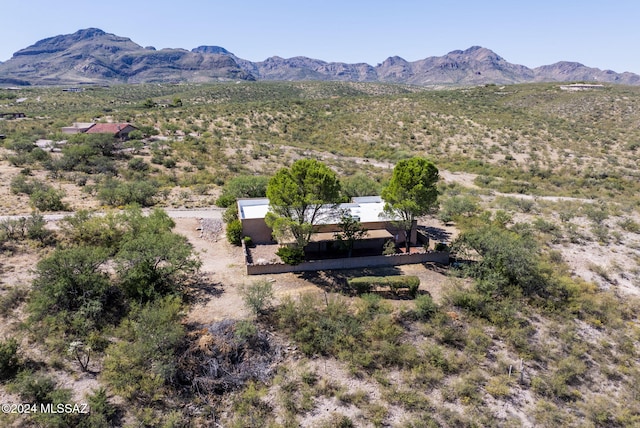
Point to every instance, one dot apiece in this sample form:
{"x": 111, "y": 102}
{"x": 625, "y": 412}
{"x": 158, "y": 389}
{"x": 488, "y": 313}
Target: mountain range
{"x": 92, "y": 56}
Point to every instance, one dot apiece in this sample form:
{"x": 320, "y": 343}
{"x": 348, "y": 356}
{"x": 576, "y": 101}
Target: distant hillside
{"x": 93, "y": 56}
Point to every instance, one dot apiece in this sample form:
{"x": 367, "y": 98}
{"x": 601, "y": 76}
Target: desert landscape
{"x": 119, "y": 287}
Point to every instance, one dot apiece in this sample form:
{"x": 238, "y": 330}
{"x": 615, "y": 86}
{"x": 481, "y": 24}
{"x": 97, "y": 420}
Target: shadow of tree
{"x": 435, "y": 233}
{"x": 335, "y": 281}
{"x": 202, "y": 289}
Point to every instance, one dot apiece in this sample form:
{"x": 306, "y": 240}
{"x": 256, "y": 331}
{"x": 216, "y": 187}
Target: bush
{"x": 291, "y": 255}
{"x": 34, "y": 387}
{"x": 425, "y": 307}
{"x": 48, "y": 199}
{"x": 395, "y": 283}
{"x": 457, "y": 206}
{"x": 138, "y": 164}
{"x": 441, "y": 246}
{"x": 116, "y": 193}
{"x": 70, "y": 285}
{"x": 257, "y": 296}
{"x": 8, "y": 359}
{"x": 243, "y": 186}
{"x": 234, "y": 232}
{"x": 389, "y": 248}
{"x": 139, "y": 366}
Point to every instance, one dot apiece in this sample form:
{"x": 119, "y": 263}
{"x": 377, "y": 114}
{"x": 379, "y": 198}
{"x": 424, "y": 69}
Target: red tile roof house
{"x": 118, "y": 130}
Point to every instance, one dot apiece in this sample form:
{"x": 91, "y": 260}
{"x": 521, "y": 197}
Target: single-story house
{"x": 118, "y": 130}
{"x": 369, "y": 210}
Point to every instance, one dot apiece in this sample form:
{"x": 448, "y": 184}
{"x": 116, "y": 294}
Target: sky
{"x": 602, "y": 34}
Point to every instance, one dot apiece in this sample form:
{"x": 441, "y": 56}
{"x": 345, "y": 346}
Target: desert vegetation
{"x": 534, "y": 324}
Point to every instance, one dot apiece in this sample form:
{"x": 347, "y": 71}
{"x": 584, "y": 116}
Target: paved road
{"x": 213, "y": 212}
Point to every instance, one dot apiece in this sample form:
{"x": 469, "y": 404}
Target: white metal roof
{"x": 367, "y": 209}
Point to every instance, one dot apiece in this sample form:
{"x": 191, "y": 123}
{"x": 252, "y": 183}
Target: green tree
{"x": 71, "y": 284}
{"x": 297, "y": 196}
{"x": 351, "y": 230}
{"x": 411, "y": 192}
{"x": 154, "y": 263}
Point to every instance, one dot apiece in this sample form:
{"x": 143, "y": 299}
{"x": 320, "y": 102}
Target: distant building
{"x": 77, "y": 127}
{"x": 581, "y": 87}
{"x": 118, "y": 130}
{"x": 13, "y": 115}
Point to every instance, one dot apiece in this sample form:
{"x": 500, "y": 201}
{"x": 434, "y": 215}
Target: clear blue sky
{"x": 597, "y": 33}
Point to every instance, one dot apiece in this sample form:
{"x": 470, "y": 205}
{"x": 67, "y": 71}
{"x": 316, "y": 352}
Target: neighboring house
{"x": 77, "y": 127}
{"x": 118, "y": 130}
{"x": 369, "y": 210}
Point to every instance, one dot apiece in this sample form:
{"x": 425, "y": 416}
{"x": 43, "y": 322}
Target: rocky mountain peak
{"x": 211, "y": 50}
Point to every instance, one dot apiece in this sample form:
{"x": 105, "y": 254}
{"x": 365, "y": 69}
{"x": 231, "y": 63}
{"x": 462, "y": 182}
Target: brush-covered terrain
{"x": 150, "y": 319}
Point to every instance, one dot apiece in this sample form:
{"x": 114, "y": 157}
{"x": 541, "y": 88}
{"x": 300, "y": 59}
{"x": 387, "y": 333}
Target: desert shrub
{"x": 20, "y": 185}
{"x": 138, "y": 164}
{"x": 242, "y": 186}
{"x": 389, "y": 248}
{"x": 48, "y": 199}
{"x": 90, "y": 153}
{"x": 103, "y": 413}
{"x": 249, "y": 409}
{"x": 291, "y": 255}
{"x": 117, "y": 193}
{"x": 441, "y": 246}
{"x": 33, "y": 387}
{"x": 425, "y": 307}
{"x": 508, "y": 259}
{"x": 70, "y": 290}
{"x": 32, "y": 227}
{"x": 499, "y": 386}
{"x": 12, "y": 299}
{"x": 8, "y": 359}
{"x": 234, "y": 232}
{"x": 360, "y": 184}
{"x": 144, "y": 362}
{"x": 457, "y": 206}
{"x": 230, "y": 214}
{"x": 395, "y": 283}
{"x": 85, "y": 228}
{"x": 629, "y": 225}
{"x": 258, "y": 296}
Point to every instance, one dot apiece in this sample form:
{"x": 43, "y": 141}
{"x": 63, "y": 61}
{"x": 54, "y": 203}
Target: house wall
{"x": 260, "y": 233}
{"x": 257, "y": 229}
